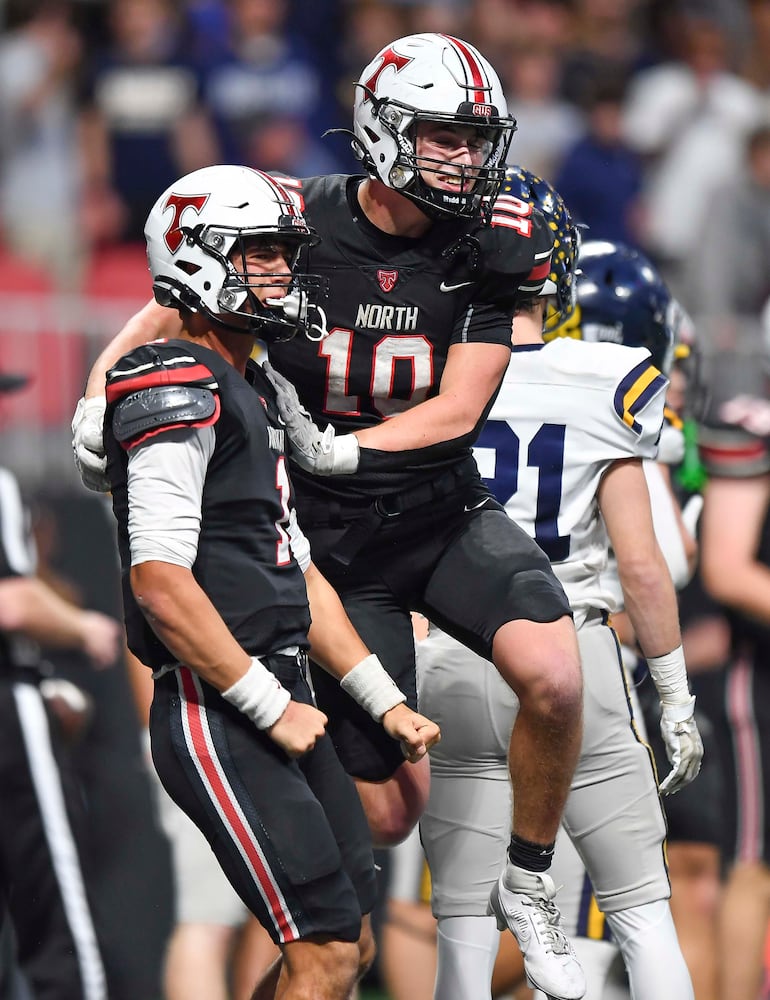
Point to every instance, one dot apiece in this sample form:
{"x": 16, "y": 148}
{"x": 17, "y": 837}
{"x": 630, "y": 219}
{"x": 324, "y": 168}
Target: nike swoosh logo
{"x": 453, "y": 288}
{"x": 475, "y": 506}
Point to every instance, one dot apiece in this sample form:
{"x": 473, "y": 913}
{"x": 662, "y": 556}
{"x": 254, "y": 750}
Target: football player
{"x": 425, "y": 265}
{"x": 217, "y": 578}
{"x": 695, "y": 816}
{"x": 563, "y": 451}
{"x": 735, "y": 555}
{"x": 49, "y": 926}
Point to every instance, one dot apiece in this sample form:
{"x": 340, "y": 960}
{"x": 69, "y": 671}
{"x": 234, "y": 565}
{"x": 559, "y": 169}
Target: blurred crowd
{"x": 651, "y": 117}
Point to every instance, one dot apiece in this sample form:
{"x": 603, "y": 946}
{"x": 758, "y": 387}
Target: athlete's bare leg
{"x": 318, "y": 970}
{"x": 196, "y": 961}
{"x": 254, "y": 954}
{"x": 695, "y": 891}
{"x": 541, "y": 663}
{"x": 274, "y": 982}
{"x": 393, "y": 807}
{"x": 742, "y": 929}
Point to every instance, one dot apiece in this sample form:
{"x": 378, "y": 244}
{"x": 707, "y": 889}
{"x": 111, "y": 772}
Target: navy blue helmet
{"x": 622, "y": 298}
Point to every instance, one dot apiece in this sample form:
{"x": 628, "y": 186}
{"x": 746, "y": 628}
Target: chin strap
{"x": 296, "y": 307}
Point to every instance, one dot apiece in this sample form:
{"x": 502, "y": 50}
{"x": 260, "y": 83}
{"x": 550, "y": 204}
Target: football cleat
{"x": 522, "y": 901}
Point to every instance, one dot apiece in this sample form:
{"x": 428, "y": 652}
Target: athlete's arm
{"x": 731, "y": 526}
{"x": 151, "y": 323}
{"x": 650, "y": 601}
{"x": 650, "y": 598}
{"x": 471, "y": 377}
{"x": 431, "y": 430}
{"x": 338, "y": 648}
{"x": 30, "y": 607}
{"x": 187, "y": 623}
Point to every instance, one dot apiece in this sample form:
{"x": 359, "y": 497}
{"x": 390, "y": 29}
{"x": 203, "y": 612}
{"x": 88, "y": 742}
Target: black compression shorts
{"x": 461, "y": 562}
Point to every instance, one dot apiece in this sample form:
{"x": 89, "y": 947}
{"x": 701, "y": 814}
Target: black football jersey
{"x": 395, "y": 306}
{"x": 244, "y": 562}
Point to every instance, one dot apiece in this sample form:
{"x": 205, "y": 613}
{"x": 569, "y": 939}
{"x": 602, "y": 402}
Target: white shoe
{"x": 522, "y": 901}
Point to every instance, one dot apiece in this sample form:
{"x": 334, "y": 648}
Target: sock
{"x": 531, "y": 857}
{"x": 647, "y": 940}
{"x": 467, "y": 947}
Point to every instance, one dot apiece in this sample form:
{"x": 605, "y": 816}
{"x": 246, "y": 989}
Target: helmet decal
{"x": 389, "y": 58}
{"x": 475, "y": 77}
{"x": 174, "y": 236}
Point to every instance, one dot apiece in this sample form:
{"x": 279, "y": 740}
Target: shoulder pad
{"x": 509, "y": 259}
{"x": 150, "y": 411}
{"x": 633, "y": 387}
{"x": 598, "y": 361}
{"x": 160, "y": 363}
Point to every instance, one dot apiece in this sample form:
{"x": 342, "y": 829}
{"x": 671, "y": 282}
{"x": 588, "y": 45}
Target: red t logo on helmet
{"x": 389, "y": 58}
{"x": 179, "y": 202}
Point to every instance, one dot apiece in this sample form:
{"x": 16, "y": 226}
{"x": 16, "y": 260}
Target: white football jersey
{"x": 565, "y": 412}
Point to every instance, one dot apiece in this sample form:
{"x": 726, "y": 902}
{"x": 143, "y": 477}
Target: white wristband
{"x": 345, "y": 454}
{"x": 372, "y": 687}
{"x": 679, "y": 713}
{"x": 259, "y": 694}
{"x": 669, "y": 675}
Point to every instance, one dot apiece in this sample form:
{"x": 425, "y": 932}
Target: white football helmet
{"x": 191, "y": 233}
{"x": 437, "y": 78}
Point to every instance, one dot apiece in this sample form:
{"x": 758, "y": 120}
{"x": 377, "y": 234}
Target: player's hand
{"x": 88, "y": 443}
{"x": 314, "y": 450}
{"x": 298, "y": 729}
{"x": 684, "y": 747}
{"x": 101, "y": 638}
{"x": 415, "y": 732}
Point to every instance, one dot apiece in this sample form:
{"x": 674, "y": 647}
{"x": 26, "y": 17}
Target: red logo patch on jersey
{"x": 387, "y": 280}
{"x": 179, "y": 202}
{"x": 389, "y": 58}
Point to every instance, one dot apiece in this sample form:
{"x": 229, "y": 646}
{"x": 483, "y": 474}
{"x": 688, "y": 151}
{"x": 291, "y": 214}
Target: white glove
{"x": 88, "y": 443}
{"x": 316, "y": 451}
{"x": 684, "y": 747}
